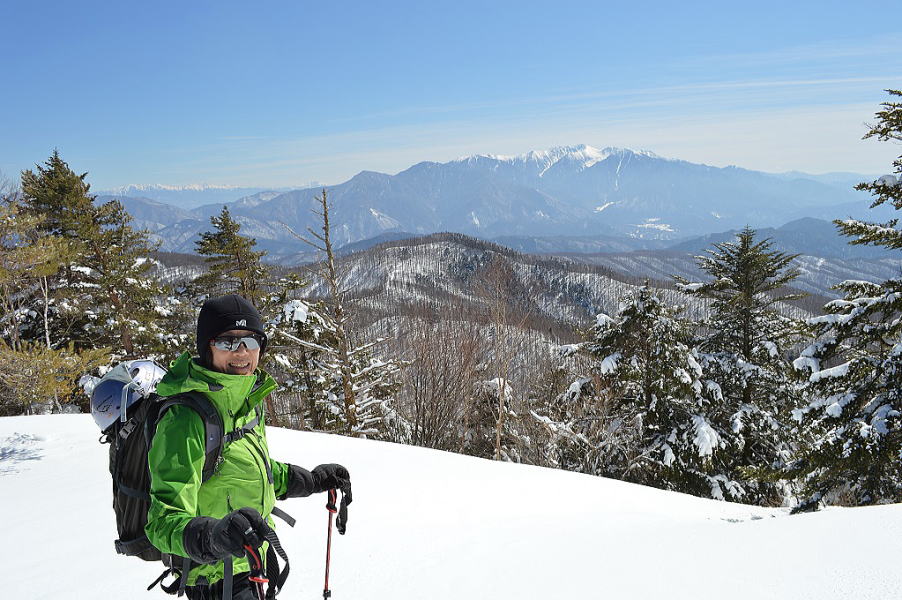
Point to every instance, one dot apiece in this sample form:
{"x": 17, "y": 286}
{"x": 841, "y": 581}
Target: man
{"x": 211, "y": 521}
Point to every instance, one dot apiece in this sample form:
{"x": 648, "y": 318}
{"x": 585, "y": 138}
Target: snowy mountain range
{"x": 187, "y": 196}
{"x": 426, "y": 523}
{"x": 566, "y": 191}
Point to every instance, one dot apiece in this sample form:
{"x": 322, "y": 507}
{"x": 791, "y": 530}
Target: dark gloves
{"x": 332, "y": 477}
{"x": 302, "y": 483}
{"x": 335, "y": 477}
{"x": 207, "y": 539}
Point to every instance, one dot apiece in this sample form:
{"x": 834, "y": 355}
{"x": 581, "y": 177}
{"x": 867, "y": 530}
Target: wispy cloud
{"x": 831, "y": 90}
{"x": 841, "y": 66}
{"x": 245, "y": 138}
{"x": 877, "y": 49}
{"x": 773, "y": 114}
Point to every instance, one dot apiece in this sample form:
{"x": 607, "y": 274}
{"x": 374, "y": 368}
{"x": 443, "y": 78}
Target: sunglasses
{"x": 231, "y": 343}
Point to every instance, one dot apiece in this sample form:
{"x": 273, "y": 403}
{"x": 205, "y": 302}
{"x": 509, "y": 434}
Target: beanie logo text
{"x": 241, "y": 323}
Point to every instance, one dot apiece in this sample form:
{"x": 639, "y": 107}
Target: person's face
{"x": 240, "y": 362}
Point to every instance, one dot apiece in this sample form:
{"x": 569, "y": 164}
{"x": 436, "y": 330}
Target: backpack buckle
{"x": 127, "y": 429}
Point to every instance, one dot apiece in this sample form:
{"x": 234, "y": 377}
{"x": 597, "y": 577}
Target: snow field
{"x": 429, "y": 524}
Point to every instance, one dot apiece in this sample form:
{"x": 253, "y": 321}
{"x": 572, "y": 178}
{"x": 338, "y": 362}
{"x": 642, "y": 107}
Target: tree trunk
{"x": 45, "y": 292}
{"x": 502, "y": 388}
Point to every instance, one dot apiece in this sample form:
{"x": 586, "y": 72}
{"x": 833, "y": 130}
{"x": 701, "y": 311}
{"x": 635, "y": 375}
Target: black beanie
{"x": 223, "y": 314}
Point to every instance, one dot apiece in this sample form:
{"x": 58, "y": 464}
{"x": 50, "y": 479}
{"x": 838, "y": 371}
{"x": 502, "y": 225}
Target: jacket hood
{"x": 232, "y": 393}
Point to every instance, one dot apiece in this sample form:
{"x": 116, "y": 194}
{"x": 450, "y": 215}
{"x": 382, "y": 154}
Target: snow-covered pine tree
{"x": 652, "y": 420}
{"x": 743, "y": 348}
{"x": 487, "y": 433}
{"x": 306, "y": 352}
{"x": 301, "y": 344}
{"x": 854, "y": 368}
{"x": 553, "y": 418}
{"x": 177, "y": 308}
{"x": 103, "y": 296}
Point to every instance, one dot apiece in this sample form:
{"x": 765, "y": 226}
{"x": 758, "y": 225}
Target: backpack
{"x": 129, "y": 444}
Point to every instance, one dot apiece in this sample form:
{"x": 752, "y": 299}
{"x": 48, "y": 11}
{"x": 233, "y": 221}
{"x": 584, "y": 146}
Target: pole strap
{"x": 277, "y": 578}
{"x": 278, "y": 512}
{"x": 227, "y": 577}
{"x": 183, "y": 580}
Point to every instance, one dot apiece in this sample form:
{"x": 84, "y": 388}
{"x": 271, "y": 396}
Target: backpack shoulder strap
{"x": 213, "y": 426}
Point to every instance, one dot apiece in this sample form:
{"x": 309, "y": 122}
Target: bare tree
{"x": 366, "y": 383}
{"x": 444, "y": 353}
{"x": 507, "y": 312}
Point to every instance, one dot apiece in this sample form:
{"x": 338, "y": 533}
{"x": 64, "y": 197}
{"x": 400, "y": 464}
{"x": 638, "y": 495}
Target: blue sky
{"x": 285, "y": 93}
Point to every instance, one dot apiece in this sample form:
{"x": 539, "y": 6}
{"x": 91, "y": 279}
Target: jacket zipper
{"x": 263, "y": 458}
{"x": 259, "y": 457}
{"x": 253, "y": 435}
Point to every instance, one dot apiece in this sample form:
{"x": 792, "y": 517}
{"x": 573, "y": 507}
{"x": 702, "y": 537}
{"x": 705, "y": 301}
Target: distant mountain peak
{"x": 582, "y": 156}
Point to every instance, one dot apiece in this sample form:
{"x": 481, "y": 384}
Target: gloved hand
{"x": 207, "y": 539}
{"x": 332, "y": 477}
{"x": 302, "y": 483}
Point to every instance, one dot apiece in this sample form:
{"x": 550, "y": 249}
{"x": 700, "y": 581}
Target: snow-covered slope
{"x": 427, "y": 524}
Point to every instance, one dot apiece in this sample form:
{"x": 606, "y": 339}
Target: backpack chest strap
{"x": 242, "y": 431}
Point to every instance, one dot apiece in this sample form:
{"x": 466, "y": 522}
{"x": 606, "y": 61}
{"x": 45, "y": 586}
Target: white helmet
{"x": 121, "y": 387}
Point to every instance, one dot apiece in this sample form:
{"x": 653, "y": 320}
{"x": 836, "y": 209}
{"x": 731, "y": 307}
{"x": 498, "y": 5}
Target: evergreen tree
{"x": 58, "y": 196}
{"x": 28, "y": 260}
{"x": 654, "y": 417}
{"x": 487, "y": 433}
{"x": 233, "y": 265}
{"x": 744, "y": 351}
{"x": 548, "y": 379}
{"x": 103, "y": 296}
{"x": 37, "y": 379}
{"x": 576, "y": 427}
{"x": 854, "y": 367}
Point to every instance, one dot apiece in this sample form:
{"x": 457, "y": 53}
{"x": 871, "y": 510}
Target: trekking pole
{"x": 256, "y": 575}
{"x": 330, "y": 506}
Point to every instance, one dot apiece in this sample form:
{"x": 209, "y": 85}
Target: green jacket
{"x": 176, "y": 460}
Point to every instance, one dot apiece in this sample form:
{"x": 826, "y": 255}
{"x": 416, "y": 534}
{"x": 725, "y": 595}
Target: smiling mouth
{"x": 239, "y": 366}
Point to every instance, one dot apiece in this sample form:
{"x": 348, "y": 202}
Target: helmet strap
{"x": 131, "y": 385}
